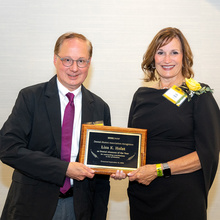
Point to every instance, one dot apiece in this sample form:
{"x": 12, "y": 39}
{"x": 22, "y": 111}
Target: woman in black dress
{"x": 183, "y": 139}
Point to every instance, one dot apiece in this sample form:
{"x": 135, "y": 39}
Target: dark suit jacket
{"x": 30, "y": 142}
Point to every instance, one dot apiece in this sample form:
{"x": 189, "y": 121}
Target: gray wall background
{"x": 120, "y": 31}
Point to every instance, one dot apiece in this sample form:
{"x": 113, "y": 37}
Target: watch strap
{"x": 166, "y": 170}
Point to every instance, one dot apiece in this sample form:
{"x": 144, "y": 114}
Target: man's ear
{"x": 90, "y": 59}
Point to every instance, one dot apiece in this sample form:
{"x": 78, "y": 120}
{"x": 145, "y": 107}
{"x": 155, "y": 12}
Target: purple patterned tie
{"x": 67, "y": 130}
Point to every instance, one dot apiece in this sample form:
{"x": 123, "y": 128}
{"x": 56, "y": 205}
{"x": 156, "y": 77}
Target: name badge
{"x": 175, "y": 95}
{"x": 95, "y": 123}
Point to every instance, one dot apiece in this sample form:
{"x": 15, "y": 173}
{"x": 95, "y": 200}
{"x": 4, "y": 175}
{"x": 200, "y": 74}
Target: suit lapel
{"x": 54, "y": 114}
{"x": 53, "y": 108}
{"x": 87, "y": 106}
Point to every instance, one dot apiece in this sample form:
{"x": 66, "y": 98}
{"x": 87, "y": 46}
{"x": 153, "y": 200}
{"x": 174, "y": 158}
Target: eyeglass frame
{"x": 87, "y": 61}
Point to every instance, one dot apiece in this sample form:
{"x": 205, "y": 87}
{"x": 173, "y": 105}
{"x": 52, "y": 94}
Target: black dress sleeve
{"x": 131, "y": 112}
{"x": 207, "y": 135}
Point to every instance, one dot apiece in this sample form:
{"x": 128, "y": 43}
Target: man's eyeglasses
{"x": 68, "y": 61}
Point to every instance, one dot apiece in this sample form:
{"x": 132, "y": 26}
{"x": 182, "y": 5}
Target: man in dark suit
{"x": 30, "y": 142}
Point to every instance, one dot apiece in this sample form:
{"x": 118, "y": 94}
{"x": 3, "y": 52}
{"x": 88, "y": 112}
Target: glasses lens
{"x": 82, "y": 62}
{"x": 67, "y": 61}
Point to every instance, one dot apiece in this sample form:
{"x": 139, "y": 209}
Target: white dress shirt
{"x": 77, "y": 118}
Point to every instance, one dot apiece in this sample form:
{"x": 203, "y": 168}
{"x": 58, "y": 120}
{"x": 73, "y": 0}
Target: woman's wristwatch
{"x": 166, "y": 170}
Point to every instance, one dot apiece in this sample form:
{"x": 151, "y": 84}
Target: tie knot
{"x": 70, "y": 96}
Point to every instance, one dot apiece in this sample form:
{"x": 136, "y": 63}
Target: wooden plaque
{"x": 107, "y": 149}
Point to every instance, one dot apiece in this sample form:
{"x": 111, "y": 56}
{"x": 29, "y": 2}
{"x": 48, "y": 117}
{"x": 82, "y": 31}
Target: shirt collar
{"x": 63, "y": 90}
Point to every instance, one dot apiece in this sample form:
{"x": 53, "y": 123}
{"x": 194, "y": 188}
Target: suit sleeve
{"x": 37, "y": 159}
{"x": 107, "y": 116}
{"x": 102, "y": 186}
